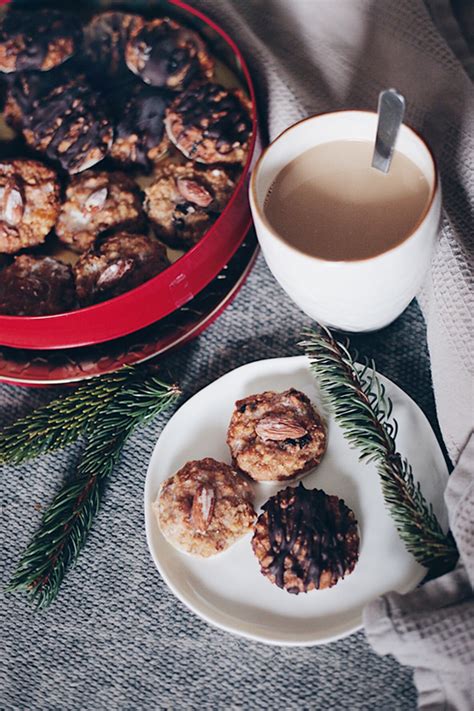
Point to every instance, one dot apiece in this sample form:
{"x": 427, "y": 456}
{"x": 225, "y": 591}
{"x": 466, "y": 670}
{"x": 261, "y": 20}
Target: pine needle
{"x": 361, "y": 407}
{"x": 66, "y": 523}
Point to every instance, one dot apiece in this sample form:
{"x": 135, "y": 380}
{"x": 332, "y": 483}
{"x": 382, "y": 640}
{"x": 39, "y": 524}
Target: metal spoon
{"x": 391, "y": 110}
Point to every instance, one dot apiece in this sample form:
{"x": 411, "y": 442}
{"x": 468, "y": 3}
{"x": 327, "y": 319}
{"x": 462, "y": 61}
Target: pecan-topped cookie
{"x": 204, "y": 508}
{"x": 62, "y": 117}
{"x": 306, "y": 540}
{"x": 140, "y": 137}
{"x": 210, "y": 124}
{"x": 38, "y": 39}
{"x": 36, "y": 286}
{"x": 117, "y": 264}
{"x": 29, "y": 203}
{"x": 184, "y": 201}
{"x": 276, "y": 436}
{"x": 97, "y": 202}
{"x": 166, "y": 54}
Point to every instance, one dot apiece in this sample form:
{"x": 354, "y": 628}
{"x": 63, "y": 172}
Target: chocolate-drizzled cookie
{"x": 39, "y": 39}
{"x": 140, "y": 137}
{"x": 29, "y": 203}
{"x": 117, "y": 264}
{"x": 62, "y": 117}
{"x": 184, "y": 201}
{"x": 105, "y": 38}
{"x": 36, "y": 286}
{"x": 210, "y": 124}
{"x": 306, "y": 540}
{"x": 165, "y": 54}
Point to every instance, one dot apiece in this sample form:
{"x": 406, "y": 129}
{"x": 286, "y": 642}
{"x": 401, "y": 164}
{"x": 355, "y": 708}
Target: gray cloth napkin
{"x": 309, "y": 56}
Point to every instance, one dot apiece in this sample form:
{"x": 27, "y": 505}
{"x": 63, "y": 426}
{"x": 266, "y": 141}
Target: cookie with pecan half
{"x": 98, "y": 202}
{"x": 29, "y": 203}
{"x": 204, "y": 508}
{"x": 116, "y": 264}
{"x": 276, "y": 436}
{"x": 184, "y": 201}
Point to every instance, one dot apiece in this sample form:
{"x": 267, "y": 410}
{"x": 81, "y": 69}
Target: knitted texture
{"x": 116, "y": 637}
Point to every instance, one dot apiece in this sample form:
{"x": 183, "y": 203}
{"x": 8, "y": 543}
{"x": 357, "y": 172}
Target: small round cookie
{"x": 210, "y": 124}
{"x": 117, "y": 264}
{"x": 29, "y": 203}
{"x": 165, "y": 54}
{"x": 39, "y": 39}
{"x": 105, "y": 38}
{"x": 36, "y": 286}
{"x": 276, "y": 436}
{"x": 305, "y": 540}
{"x": 184, "y": 201}
{"x": 97, "y": 202}
{"x": 204, "y": 508}
{"x": 62, "y": 117}
{"x": 140, "y": 138}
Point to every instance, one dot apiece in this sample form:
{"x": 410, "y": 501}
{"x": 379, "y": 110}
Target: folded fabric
{"x": 432, "y": 628}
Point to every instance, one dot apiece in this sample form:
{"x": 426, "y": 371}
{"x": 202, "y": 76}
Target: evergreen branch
{"x": 65, "y": 526}
{"x": 61, "y": 421}
{"x": 363, "y": 410}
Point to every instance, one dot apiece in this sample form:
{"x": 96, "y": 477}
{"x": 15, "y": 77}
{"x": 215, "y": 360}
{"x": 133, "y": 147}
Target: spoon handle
{"x": 390, "y": 112}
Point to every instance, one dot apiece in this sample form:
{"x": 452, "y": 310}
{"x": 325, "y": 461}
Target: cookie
{"x": 97, "y": 202}
{"x": 276, "y": 436}
{"x": 184, "y": 201}
{"x": 140, "y": 138}
{"x": 62, "y": 117}
{"x": 117, "y": 264}
{"x": 210, "y": 124}
{"x": 37, "y": 40}
{"x": 29, "y": 203}
{"x": 105, "y": 38}
{"x": 204, "y": 508}
{"x": 36, "y": 286}
{"x": 305, "y": 540}
{"x": 164, "y": 53}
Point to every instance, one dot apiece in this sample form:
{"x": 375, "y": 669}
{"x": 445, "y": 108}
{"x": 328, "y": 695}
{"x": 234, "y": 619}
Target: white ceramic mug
{"x": 361, "y": 295}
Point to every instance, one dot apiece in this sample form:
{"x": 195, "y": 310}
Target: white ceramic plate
{"x": 228, "y": 590}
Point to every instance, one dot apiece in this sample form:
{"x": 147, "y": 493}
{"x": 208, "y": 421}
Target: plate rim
{"x": 149, "y": 519}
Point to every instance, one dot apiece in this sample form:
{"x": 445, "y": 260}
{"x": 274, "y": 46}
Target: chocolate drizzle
{"x": 312, "y": 531}
{"x": 164, "y": 54}
{"x": 143, "y": 118}
{"x": 37, "y": 30}
{"x": 62, "y": 117}
{"x": 217, "y": 113}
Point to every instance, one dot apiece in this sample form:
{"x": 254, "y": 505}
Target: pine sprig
{"x": 61, "y": 421}
{"x": 68, "y": 520}
{"x": 362, "y": 408}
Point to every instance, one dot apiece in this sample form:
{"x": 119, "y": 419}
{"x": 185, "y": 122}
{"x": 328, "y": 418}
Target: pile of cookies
{"x": 98, "y": 104}
{"x": 304, "y": 539}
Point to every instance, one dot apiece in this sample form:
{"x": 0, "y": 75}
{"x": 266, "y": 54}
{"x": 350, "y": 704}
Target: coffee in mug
{"x": 330, "y": 203}
{"x": 350, "y": 245}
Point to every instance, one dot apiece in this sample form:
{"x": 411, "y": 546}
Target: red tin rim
{"x": 175, "y": 286}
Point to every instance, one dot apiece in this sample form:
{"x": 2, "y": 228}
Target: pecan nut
{"x": 279, "y": 428}
{"x": 202, "y": 509}
{"x": 193, "y": 192}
